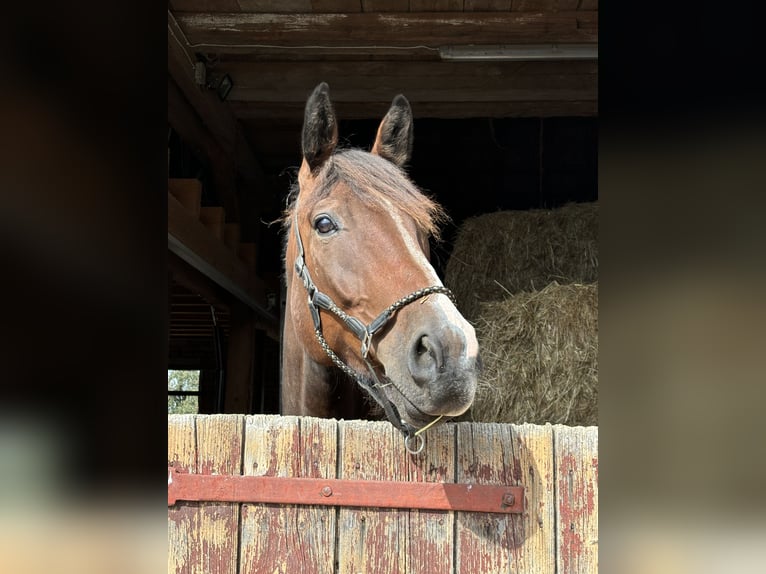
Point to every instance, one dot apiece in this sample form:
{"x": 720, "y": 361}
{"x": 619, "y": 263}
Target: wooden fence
{"x": 556, "y": 465}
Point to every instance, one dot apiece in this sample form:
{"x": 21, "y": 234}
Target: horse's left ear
{"x": 320, "y": 128}
{"x": 396, "y": 132}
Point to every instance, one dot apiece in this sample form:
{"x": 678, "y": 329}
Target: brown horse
{"x": 366, "y": 314}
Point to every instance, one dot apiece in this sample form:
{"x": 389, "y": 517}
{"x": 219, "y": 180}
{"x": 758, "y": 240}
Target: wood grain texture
{"x": 387, "y": 540}
{"x": 515, "y": 455}
{"x": 486, "y": 542}
{"x": 286, "y": 538}
{"x": 183, "y": 533}
{"x": 532, "y": 448}
{"x": 421, "y": 82}
{"x": 436, "y": 5}
{"x": 394, "y": 29}
{"x": 364, "y": 110}
{"x": 487, "y": 5}
{"x": 556, "y": 465}
{"x": 219, "y": 451}
{"x": 576, "y": 459}
{"x": 202, "y": 537}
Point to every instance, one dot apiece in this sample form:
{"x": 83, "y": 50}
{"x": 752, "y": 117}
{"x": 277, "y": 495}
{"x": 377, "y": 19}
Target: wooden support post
{"x": 240, "y": 360}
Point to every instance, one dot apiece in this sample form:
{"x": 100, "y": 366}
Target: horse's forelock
{"x": 378, "y": 182}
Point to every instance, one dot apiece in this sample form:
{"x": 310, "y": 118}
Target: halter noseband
{"x": 318, "y": 300}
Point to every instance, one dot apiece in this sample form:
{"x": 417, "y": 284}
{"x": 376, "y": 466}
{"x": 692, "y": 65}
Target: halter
{"x": 318, "y": 300}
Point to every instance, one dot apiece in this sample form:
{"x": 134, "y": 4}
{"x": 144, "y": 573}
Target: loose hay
{"x": 513, "y": 251}
{"x": 540, "y": 355}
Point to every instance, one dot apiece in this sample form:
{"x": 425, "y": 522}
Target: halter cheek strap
{"x": 318, "y": 300}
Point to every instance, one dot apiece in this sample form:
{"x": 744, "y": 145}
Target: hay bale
{"x": 512, "y": 251}
{"x": 540, "y": 356}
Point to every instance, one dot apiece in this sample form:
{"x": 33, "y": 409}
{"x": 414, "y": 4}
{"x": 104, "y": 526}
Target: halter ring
{"x": 420, "y": 445}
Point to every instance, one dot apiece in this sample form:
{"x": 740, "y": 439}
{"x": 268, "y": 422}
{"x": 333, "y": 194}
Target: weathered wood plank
{"x": 336, "y": 6}
{"x": 436, "y": 5}
{"x": 183, "y": 533}
{"x": 426, "y": 82}
{"x": 431, "y": 533}
{"x": 373, "y": 540}
{"x": 487, "y": 5}
{"x": 386, "y": 540}
{"x": 203, "y": 536}
{"x": 366, "y": 110}
{"x": 285, "y": 538}
{"x": 394, "y": 29}
{"x": 205, "y": 5}
{"x": 219, "y": 451}
{"x": 543, "y": 5}
{"x": 182, "y": 443}
{"x": 505, "y": 454}
{"x": 384, "y": 5}
{"x": 533, "y": 449}
{"x": 576, "y": 459}
{"x": 284, "y": 6}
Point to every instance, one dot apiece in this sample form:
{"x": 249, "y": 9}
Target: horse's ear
{"x": 320, "y": 128}
{"x": 396, "y": 132}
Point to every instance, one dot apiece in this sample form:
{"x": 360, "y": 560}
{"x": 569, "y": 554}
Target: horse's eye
{"x": 324, "y": 225}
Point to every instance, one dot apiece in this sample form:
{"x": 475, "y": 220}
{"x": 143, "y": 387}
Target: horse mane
{"x": 375, "y": 181}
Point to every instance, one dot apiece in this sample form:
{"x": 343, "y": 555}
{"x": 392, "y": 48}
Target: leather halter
{"x": 318, "y": 300}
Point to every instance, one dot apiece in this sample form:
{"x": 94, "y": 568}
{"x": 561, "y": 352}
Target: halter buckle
{"x": 366, "y": 343}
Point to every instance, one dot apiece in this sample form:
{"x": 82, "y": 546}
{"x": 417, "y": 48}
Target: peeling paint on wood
{"x": 395, "y": 541}
{"x": 557, "y": 532}
{"x": 576, "y": 456}
{"x": 203, "y": 536}
{"x": 288, "y": 538}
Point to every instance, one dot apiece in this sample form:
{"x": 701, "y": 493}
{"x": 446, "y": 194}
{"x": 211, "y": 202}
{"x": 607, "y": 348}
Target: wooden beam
{"x": 240, "y": 358}
{"x": 445, "y": 110}
{"x": 219, "y": 31}
{"x": 192, "y": 242}
{"x": 420, "y": 82}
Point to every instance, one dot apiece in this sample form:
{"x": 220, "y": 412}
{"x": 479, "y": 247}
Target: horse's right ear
{"x": 395, "y": 133}
{"x": 320, "y": 128}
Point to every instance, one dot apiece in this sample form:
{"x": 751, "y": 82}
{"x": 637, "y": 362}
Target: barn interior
{"x": 505, "y": 100}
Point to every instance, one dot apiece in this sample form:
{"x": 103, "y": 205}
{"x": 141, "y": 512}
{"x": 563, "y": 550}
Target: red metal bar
{"x": 335, "y": 492}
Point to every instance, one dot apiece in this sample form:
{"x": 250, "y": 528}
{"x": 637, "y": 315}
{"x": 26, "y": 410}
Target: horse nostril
{"x": 425, "y": 359}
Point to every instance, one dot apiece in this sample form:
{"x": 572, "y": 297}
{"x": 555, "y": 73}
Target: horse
{"x": 367, "y": 323}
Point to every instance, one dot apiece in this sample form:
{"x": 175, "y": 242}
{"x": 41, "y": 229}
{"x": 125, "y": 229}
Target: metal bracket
{"x": 337, "y": 492}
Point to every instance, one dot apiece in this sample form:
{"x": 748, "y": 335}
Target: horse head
{"x": 359, "y": 237}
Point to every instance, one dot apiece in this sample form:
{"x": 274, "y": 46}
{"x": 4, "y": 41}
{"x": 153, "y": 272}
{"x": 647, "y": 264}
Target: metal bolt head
{"x": 326, "y": 491}
{"x": 509, "y": 499}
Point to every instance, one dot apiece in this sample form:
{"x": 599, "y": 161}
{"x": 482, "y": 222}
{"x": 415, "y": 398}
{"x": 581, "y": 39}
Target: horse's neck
{"x": 311, "y": 389}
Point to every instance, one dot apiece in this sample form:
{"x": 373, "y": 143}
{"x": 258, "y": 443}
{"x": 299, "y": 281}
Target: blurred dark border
{"x": 682, "y": 182}
{"x": 84, "y": 116}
